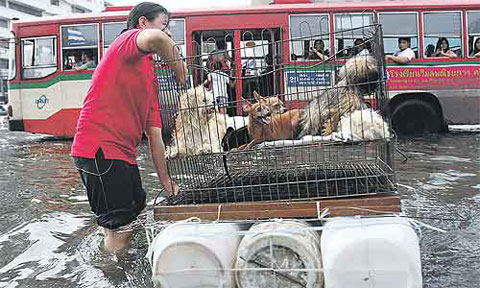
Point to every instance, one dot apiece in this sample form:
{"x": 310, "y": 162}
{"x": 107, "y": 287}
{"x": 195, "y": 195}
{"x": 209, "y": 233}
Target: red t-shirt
{"x": 121, "y": 102}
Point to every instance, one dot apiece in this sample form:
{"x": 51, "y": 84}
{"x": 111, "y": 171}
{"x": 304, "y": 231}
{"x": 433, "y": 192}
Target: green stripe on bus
{"x": 51, "y": 81}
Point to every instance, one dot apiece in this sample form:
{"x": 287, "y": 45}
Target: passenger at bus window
{"x": 317, "y": 52}
{"x": 86, "y": 63}
{"x": 405, "y": 54}
{"x": 361, "y": 47}
{"x": 429, "y": 50}
{"x": 476, "y": 48}
{"x": 443, "y": 49}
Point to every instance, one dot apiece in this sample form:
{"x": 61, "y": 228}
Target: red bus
{"x": 427, "y": 94}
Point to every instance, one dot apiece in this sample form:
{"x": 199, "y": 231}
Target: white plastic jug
{"x": 378, "y": 252}
{"x": 195, "y": 255}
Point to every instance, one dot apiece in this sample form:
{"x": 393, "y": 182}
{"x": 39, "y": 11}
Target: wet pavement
{"x": 48, "y": 237}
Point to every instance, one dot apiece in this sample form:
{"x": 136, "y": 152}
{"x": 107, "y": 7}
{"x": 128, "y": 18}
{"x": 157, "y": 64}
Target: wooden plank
{"x": 289, "y": 213}
{"x": 283, "y": 204}
{"x": 377, "y": 204}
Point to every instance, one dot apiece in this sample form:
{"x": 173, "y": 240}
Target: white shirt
{"x": 407, "y": 53}
{"x": 364, "y": 52}
{"x": 219, "y": 83}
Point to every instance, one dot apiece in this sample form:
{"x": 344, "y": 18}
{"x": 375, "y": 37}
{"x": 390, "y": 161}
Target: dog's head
{"x": 264, "y": 108}
{"x": 198, "y": 99}
{"x": 361, "y": 71}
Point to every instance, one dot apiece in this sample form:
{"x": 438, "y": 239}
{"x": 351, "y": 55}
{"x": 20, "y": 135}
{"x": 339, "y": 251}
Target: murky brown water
{"x": 48, "y": 238}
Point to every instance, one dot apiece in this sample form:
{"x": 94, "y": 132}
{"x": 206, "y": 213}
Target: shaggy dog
{"x": 199, "y": 127}
{"x": 364, "y": 125}
{"x": 322, "y": 114}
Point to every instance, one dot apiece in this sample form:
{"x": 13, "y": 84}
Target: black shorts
{"x": 114, "y": 189}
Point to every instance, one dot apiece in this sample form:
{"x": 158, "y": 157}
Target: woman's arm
{"x": 157, "y": 41}
{"x": 449, "y": 54}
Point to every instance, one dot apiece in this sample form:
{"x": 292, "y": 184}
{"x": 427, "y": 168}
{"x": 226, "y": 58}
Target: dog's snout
{"x": 283, "y": 110}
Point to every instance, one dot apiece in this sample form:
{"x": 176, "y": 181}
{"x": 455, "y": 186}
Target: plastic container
{"x": 288, "y": 247}
{"x": 370, "y": 252}
{"x": 195, "y": 255}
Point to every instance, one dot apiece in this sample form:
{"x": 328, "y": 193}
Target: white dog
{"x": 199, "y": 127}
{"x": 364, "y": 125}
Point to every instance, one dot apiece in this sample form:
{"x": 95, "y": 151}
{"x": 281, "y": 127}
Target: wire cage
{"x": 279, "y": 119}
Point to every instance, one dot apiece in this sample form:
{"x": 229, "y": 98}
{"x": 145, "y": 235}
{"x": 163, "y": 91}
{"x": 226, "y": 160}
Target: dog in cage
{"x": 259, "y": 116}
{"x": 198, "y": 127}
{"x": 364, "y": 125}
{"x": 267, "y": 122}
{"x": 358, "y": 76}
{"x": 323, "y": 113}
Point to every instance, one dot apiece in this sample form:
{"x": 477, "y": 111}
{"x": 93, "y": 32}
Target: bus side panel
{"x": 53, "y": 107}
{"x": 456, "y": 86}
{"x": 460, "y": 106}
{"x": 62, "y": 123}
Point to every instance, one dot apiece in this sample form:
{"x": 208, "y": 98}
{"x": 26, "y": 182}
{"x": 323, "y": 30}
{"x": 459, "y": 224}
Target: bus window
{"x": 306, "y": 32}
{"x": 12, "y": 67}
{"x": 442, "y": 27}
{"x": 399, "y": 25}
{"x": 177, "y": 27}
{"x": 110, "y": 32}
{"x": 79, "y": 46}
{"x": 39, "y": 57}
{"x": 473, "y": 19}
{"x": 349, "y": 33}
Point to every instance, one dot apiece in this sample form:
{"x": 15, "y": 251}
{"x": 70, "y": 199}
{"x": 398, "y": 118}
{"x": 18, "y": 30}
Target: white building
{"x": 23, "y": 9}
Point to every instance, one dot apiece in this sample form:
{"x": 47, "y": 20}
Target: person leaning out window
{"x": 405, "y": 54}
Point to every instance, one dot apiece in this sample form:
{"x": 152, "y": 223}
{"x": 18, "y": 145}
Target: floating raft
{"x": 365, "y": 205}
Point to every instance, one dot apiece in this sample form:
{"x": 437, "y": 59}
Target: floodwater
{"x": 48, "y": 237}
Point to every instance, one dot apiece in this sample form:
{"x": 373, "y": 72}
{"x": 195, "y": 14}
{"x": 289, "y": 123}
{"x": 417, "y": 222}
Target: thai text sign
{"x": 308, "y": 78}
{"x": 434, "y": 78}
{"x": 298, "y": 84}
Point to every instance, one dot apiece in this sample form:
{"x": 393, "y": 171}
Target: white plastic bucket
{"x": 370, "y": 252}
{"x": 289, "y": 247}
{"x": 195, "y": 255}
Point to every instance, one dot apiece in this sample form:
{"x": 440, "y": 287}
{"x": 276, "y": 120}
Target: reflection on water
{"x": 48, "y": 238}
{"x": 444, "y": 170}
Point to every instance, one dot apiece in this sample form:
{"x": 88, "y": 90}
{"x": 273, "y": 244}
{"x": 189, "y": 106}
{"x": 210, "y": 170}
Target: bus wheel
{"x": 415, "y": 116}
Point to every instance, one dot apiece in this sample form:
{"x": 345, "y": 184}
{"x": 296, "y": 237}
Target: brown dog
{"x": 265, "y": 125}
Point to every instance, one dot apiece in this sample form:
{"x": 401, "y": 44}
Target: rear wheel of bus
{"x": 414, "y": 116}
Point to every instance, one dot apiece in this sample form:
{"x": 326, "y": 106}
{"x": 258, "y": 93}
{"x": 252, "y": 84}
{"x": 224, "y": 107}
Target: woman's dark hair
{"x": 475, "y": 49}
{"x": 439, "y": 43}
{"x": 148, "y": 9}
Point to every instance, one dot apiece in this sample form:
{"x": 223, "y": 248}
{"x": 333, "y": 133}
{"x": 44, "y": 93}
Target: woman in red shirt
{"x": 121, "y": 104}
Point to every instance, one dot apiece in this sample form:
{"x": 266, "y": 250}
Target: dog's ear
{"x": 257, "y": 96}
{"x": 246, "y": 105}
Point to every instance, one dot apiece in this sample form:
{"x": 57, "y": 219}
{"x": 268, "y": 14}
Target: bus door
{"x": 250, "y": 57}
{"x": 209, "y": 48}
{"x": 260, "y": 57}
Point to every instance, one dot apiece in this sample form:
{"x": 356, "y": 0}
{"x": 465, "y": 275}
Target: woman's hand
{"x": 171, "y": 188}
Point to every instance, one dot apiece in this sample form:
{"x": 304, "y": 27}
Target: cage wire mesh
{"x": 278, "y": 119}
